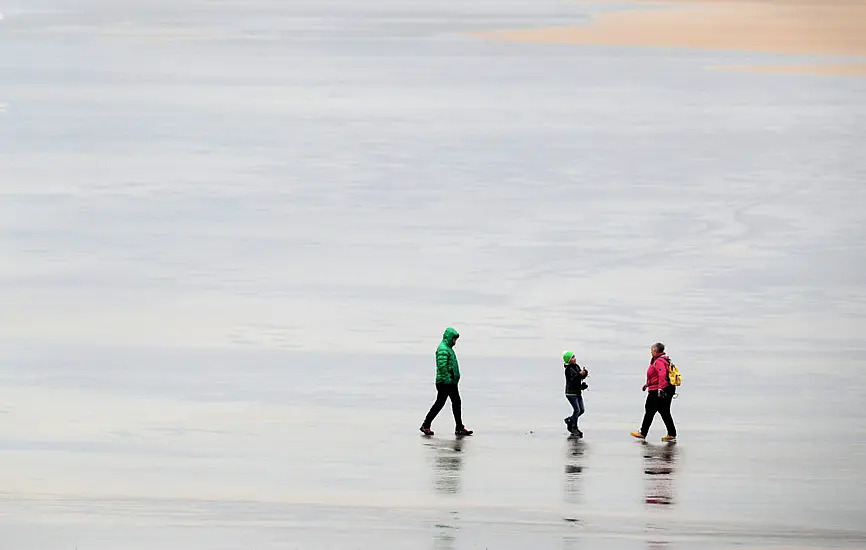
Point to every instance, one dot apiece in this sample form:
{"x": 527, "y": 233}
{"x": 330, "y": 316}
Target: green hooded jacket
{"x": 447, "y": 371}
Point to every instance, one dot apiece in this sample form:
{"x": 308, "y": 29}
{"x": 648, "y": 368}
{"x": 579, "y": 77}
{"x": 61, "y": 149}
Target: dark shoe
{"x": 426, "y": 431}
{"x": 463, "y": 431}
{"x": 567, "y": 421}
{"x": 577, "y": 432}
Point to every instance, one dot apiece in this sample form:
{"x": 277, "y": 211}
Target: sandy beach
{"x": 233, "y": 233}
{"x": 799, "y": 27}
{"x": 829, "y": 69}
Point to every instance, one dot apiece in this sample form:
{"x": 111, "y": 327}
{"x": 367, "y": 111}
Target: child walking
{"x": 574, "y": 386}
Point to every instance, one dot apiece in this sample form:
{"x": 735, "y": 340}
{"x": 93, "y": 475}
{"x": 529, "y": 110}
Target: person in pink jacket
{"x": 660, "y": 394}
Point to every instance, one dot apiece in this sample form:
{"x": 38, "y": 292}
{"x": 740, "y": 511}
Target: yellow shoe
{"x": 670, "y": 438}
{"x": 637, "y": 435}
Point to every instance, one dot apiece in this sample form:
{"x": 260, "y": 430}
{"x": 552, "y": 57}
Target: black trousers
{"x": 661, "y": 405}
{"x": 443, "y": 392}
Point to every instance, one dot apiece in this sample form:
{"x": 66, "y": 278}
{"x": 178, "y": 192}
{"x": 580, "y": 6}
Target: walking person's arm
{"x": 443, "y": 367}
{"x": 661, "y": 367}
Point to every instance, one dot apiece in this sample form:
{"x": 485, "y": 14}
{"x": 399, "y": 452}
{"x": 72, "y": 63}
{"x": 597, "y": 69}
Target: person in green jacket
{"x": 447, "y": 378}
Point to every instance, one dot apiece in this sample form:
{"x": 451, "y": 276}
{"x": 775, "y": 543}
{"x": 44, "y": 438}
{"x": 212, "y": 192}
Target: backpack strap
{"x": 667, "y": 366}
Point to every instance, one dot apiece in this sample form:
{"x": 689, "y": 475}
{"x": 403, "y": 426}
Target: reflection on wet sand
{"x": 656, "y": 545}
{"x": 447, "y": 465}
{"x": 444, "y": 534}
{"x": 574, "y": 464}
{"x": 659, "y": 470}
{"x": 575, "y": 451}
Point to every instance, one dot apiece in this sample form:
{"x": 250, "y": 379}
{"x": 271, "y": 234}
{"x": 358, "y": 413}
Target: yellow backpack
{"x": 674, "y": 376}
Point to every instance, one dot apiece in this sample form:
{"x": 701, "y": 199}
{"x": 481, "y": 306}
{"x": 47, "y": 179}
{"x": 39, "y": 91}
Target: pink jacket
{"x": 657, "y": 373}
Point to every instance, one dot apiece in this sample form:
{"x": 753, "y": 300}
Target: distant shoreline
{"x": 799, "y": 27}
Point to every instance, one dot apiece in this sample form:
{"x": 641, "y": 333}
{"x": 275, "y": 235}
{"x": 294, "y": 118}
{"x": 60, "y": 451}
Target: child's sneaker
{"x": 638, "y": 435}
{"x": 670, "y": 438}
{"x": 426, "y": 431}
{"x": 463, "y": 431}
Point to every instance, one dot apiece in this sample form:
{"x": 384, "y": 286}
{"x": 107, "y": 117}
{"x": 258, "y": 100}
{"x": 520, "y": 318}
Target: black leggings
{"x": 443, "y": 392}
{"x": 661, "y": 405}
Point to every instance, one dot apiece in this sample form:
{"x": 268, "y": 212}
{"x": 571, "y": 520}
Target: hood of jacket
{"x": 450, "y": 337}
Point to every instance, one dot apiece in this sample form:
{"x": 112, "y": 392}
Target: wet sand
{"x": 292, "y": 450}
{"x": 832, "y": 28}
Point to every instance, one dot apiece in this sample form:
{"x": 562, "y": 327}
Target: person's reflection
{"x": 574, "y": 464}
{"x": 447, "y": 463}
{"x": 659, "y": 469}
{"x": 575, "y": 450}
{"x": 444, "y": 534}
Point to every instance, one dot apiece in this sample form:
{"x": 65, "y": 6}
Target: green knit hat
{"x": 566, "y": 356}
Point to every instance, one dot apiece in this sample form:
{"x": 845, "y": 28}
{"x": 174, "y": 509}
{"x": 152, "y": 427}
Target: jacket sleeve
{"x": 442, "y": 366}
